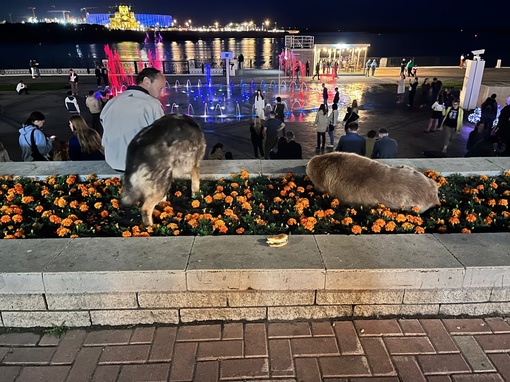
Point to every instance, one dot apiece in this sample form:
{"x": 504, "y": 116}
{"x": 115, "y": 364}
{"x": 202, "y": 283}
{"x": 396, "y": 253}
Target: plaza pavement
{"x": 411, "y": 349}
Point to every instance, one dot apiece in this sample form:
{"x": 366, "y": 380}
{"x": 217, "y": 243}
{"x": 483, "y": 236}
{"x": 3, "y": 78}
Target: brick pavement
{"x": 431, "y": 349}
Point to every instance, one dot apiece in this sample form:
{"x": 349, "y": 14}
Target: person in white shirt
{"x": 72, "y": 103}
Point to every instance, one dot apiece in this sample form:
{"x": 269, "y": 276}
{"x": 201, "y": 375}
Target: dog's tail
{"x": 129, "y": 196}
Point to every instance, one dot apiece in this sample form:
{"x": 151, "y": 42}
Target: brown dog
{"x": 359, "y": 181}
{"x": 171, "y": 147}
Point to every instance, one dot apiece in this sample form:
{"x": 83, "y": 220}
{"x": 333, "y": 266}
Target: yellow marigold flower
{"x": 454, "y": 220}
{"x": 503, "y": 202}
{"x": 114, "y": 203}
{"x": 356, "y": 229}
{"x": 319, "y": 214}
{"x": 465, "y": 230}
{"x": 5, "y": 219}
{"x": 507, "y": 173}
{"x": 208, "y": 199}
{"x": 98, "y": 205}
{"x": 262, "y": 207}
{"x": 334, "y": 203}
{"x": 347, "y": 221}
{"x": 195, "y": 204}
{"x": 61, "y": 202}
{"x": 407, "y": 226}
{"x": 376, "y": 228}
{"x": 66, "y": 222}
{"x": 61, "y": 231}
{"x": 277, "y": 199}
{"x": 55, "y": 219}
{"x": 456, "y": 212}
{"x": 260, "y": 221}
{"x": 27, "y": 199}
{"x": 291, "y": 221}
{"x": 244, "y": 174}
{"x": 240, "y": 230}
{"x": 241, "y": 199}
{"x": 234, "y": 194}
{"x": 390, "y": 226}
{"x": 246, "y": 206}
{"x": 126, "y": 234}
{"x": 471, "y": 218}
{"x": 229, "y": 199}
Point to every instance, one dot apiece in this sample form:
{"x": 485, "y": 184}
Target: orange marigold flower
{"x": 292, "y": 221}
{"x": 71, "y": 179}
{"x": 503, "y": 202}
{"x": 471, "y": 218}
{"x": 347, "y": 221}
{"x": 219, "y": 196}
{"x": 104, "y": 214}
{"x": 376, "y": 228}
{"x": 283, "y": 193}
{"x": 229, "y": 212}
{"x": 66, "y": 222}
{"x": 407, "y": 226}
{"x": 260, "y": 222}
{"x": 380, "y": 222}
{"x": 390, "y": 226}
{"x": 277, "y": 199}
{"x": 73, "y": 204}
{"x": 5, "y": 219}
{"x": 476, "y": 199}
{"x": 488, "y": 220}
{"x": 84, "y": 207}
{"x": 466, "y": 190}
{"x": 352, "y": 211}
{"x": 17, "y": 218}
{"x": 39, "y": 209}
{"x": 246, "y": 206}
{"x": 98, "y": 205}
{"x": 319, "y": 214}
{"x": 208, "y": 199}
{"x": 456, "y": 212}
{"x": 465, "y": 230}
{"x": 484, "y": 177}
{"x": 491, "y": 202}
{"x": 300, "y": 189}
{"x": 178, "y": 194}
{"x": 234, "y": 193}
{"x": 27, "y": 199}
{"x": 334, "y": 203}
{"x": 416, "y": 209}
{"x": 234, "y": 185}
{"x": 219, "y": 188}
{"x": 419, "y": 230}
{"x": 505, "y": 214}
{"x": 240, "y": 230}
{"x": 55, "y": 219}
{"x": 229, "y": 199}
{"x": 61, "y": 202}
{"x": 494, "y": 185}
{"x": 61, "y": 231}
{"x": 244, "y": 174}
{"x": 270, "y": 186}
{"x": 454, "y": 220}
{"x": 442, "y": 229}
{"x": 275, "y": 212}
{"x": 480, "y": 187}
{"x": 126, "y": 234}
{"x": 401, "y": 218}
{"x": 356, "y": 229}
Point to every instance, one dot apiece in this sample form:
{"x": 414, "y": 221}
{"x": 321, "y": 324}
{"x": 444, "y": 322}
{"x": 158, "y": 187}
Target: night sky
{"x": 327, "y": 15}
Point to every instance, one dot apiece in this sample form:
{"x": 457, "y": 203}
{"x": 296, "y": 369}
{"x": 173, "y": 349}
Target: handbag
{"x": 36, "y": 155}
{"x": 331, "y": 127}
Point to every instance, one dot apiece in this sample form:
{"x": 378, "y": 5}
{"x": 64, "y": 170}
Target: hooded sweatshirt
{"x": 43, "y": 145}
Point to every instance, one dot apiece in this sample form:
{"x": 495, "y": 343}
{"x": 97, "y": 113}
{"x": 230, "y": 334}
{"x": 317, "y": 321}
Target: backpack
{"x": 488, "y": 108}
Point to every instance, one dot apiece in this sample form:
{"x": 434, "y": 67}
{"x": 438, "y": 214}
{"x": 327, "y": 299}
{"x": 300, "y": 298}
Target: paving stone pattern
{"x": 474, "y": 349}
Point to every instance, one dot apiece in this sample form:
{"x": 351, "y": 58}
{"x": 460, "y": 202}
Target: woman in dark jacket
{"x": 257, "y": 137}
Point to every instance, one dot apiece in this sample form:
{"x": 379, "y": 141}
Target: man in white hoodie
{"x": 21, "y": 87}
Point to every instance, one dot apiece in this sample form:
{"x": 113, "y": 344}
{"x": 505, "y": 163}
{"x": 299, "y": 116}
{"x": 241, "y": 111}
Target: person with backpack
{"x": 34, "y": 144}
{"x": 489, "y": 111}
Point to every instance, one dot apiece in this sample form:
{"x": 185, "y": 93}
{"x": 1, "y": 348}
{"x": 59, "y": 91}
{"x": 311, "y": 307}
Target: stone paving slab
{"x": 311, "y": 350}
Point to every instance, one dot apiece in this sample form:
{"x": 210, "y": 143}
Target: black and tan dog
{"x": 171, "y": 147}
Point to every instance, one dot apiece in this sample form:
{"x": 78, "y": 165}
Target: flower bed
{"x": 63, "y": 206}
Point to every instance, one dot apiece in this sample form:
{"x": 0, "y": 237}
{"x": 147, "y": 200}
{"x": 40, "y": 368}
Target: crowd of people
{"x": 101, "y": 139}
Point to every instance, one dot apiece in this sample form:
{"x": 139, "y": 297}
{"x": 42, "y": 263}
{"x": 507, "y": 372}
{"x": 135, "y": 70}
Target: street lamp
{"x": 267, "y": 25}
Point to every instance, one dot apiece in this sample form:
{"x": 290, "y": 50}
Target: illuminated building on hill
{"x": 125, "y": 19}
